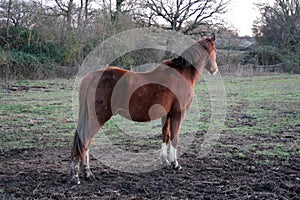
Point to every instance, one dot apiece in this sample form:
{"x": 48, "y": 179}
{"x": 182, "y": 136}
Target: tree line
{"x": 36, "y": 35}
{"x": 278, "y": 33}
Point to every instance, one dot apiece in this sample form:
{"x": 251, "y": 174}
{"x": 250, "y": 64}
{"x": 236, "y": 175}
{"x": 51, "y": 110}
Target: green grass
{"x": 262, "y": 117}
{"x": 37, "y": 117}
{"x": 271, "y": 105}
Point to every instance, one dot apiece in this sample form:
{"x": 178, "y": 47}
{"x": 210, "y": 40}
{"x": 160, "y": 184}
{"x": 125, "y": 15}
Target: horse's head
{"x": 209, "y": 45}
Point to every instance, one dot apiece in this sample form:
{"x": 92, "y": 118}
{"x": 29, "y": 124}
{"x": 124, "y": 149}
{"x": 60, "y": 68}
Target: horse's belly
{"x": 145, "y": 104}
{"x": 143, "y": 112}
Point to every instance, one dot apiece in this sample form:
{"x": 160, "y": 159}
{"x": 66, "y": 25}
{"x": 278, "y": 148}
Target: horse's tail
{"x": 81, "y": 134}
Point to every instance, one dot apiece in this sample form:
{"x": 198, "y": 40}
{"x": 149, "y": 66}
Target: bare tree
{"x": 19, "y": 13}
{"x": 183, "y": 15}
{"x": 115, "y": 8}
{"x": 67, "y": 10}
{"x": 8, "y": 17}
{"x": 80, "y": 10}
{"x": 83, "y": 13}
{"x": 279, "y": 24}
{"x": 119, "y": 5}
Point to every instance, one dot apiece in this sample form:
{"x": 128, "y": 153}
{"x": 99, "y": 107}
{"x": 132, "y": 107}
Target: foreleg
{"x": 175, "y": 123}
{"x": 165, "y": 140}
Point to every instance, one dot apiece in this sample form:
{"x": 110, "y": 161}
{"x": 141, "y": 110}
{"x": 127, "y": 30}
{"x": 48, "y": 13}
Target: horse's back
{"x": 110, "y": 75}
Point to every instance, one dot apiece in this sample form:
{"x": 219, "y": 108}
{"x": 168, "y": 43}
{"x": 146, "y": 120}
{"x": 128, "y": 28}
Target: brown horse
{"x": 166, "y": 92}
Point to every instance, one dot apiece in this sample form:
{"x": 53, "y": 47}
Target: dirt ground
{"x": 35, "y": 174}
{"x": 256, "y": 157}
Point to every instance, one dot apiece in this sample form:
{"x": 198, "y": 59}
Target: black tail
{"x": 78, "y": 149}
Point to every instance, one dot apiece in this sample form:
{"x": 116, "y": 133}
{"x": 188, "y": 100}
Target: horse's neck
{"x": 195, "y": 57}
{"x": 191, "y": 73}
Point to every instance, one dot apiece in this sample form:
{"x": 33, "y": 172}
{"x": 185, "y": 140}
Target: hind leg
{"x": 74, "y": 170}
{"x": 81, "y": 145}
{"x": 86, "y": 166}
{"x": 76, "y": 158}
{"x": 102, "y": 116}
{"x": 81, "y": 155}
{"x": 94, "y": 111}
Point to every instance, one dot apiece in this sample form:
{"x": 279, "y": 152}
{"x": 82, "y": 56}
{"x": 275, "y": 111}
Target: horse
{"x": 165, "y": 92}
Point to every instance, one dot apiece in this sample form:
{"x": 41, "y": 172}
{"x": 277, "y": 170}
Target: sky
{"x": 242, "y": 13}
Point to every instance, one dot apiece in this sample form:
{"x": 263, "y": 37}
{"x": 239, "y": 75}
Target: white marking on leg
{"x": 173, "y": 153}
{"x": 173, "y": 157}
{"x": 87, "y": 171}
{"x": 87, "y": 158}
{"x": 164, "y": 154}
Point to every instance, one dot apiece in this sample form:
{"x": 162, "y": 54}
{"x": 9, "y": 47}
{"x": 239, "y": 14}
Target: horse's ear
{"x": 213, "y": 38}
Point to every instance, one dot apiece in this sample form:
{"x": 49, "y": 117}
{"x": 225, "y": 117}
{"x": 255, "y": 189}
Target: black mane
{"x": 180, "y": 61}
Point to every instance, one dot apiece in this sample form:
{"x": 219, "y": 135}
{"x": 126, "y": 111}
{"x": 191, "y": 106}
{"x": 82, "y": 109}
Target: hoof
{"x": 165, "y": 163}
{"x": 176, "y": 166}
{"x": 75, "y": 181}
{"x": 89, "y": 175}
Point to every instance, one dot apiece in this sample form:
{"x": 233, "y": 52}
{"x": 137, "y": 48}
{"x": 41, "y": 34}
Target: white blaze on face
{"x": 211, "y": 64}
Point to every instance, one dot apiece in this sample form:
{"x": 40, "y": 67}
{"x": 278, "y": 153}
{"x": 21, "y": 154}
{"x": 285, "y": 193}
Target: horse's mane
{"x": 193, "y": 54}
{"x": 179, "y": 61}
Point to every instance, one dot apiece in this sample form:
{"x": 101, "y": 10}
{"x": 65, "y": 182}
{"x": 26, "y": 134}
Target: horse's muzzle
{"x": 215, "y": 72}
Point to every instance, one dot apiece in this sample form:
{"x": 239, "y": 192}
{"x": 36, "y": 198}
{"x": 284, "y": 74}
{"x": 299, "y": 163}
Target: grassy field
{"x": 256, "y": 156}
{"x": 36, "y": 114}
{"x": 261, "y": 111}
{"x": 265, "y": 112}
